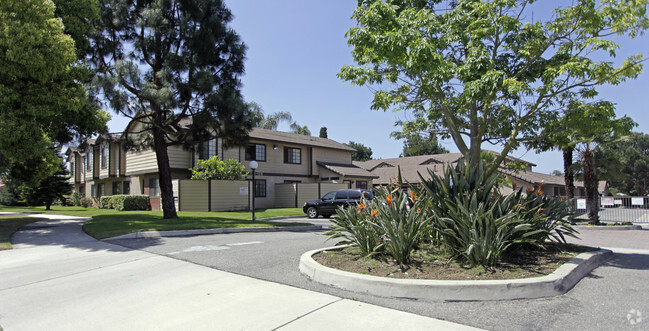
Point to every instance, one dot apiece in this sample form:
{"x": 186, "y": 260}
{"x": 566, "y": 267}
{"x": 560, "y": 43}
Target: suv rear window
{"x": 341, "y": 195}
{"x": 354, "y": 194}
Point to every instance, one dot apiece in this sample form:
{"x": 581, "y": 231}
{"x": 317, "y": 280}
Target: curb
{"x": 280, "y": 217}
{"x": 556, "y": 283}
{"x": 186, "y": 233}
{"x": 612, "y": 227}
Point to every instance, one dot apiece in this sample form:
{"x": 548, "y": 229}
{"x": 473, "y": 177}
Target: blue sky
{"x": 296, "y": 47}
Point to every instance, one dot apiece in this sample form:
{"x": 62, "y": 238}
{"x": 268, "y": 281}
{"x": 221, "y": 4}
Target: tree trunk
{"x": 166, "y": 189}
{"x": 568, "y": 175}
{"x": 590, "y": 181}
{"x": 47, "y": 206}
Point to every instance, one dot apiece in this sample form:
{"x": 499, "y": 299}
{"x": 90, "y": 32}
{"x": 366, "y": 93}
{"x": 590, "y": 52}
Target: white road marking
{"x": 207, "y": 248}
{"x": 246, "y": 243}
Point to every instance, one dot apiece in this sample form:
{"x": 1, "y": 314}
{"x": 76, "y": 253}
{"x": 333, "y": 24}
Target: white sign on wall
{"x": 243, "y": 190}
{"x": 581, "y": 203}
{"x": 637, "y": 201}
{"x": 618, "y": 201}
{"x": 608, "y": 201}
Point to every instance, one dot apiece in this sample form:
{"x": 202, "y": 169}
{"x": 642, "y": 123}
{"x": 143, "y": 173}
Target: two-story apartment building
{"x": 98, "y": 167}
{"x": 103, "y": 167}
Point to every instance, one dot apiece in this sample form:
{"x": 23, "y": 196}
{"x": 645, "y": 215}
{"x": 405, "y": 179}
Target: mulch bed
{"x": 430, "y": 262}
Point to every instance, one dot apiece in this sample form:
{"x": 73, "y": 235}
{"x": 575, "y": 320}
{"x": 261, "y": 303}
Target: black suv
{"x": 330, "y": 202}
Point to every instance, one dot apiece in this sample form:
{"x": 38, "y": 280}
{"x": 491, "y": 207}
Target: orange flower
{"x": 361, "y": 207}
{"x": 413, "y": 195}
{"x": 514, "y": 184}
{"x": 562, "y": 199}
{"x": 389, "y": 198}
{"x": 538, "y": 192}
{"x": 374, "y": 212}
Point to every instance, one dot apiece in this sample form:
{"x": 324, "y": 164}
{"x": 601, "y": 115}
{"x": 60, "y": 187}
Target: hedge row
{"x": 123, "y": 202}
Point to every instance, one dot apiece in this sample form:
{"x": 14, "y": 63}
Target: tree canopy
{"x": 362, "y": 153}
{"x": 418, "y": 143}
{"x": 213, "y": 168}
{"x": 162, "y": 63}
{"x": 631, "y": 157}
{"x": 270, "y": 122}
{"x": 43, "y": 101}
{"x": 488, "y": 71}
{"x": 299, "y": 129}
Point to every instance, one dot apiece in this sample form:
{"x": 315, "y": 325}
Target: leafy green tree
{"x": 50, "y": 189}
{"x": 584, "y": 127}
{"x": 556, "y": 173}
{"x": 164, "y": 62}
{"x": 270, "y": 122}
{"x": 214, "y": 168}
{"x": 417, "y": 143}
{"x": 42, "y": 97}
{"x": 296, "y": 128}
{"x": 323, "y": 132}
{"x": 631, "y": 157}
{"x": 479, "y": 70}
{"x": 362, "y": 153}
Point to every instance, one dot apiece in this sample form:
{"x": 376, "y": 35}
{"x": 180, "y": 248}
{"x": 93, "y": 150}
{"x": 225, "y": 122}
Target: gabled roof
{"x": 297, "y": 139}
{"x": 347, "y": 170}
{"x": 532, "y": 177}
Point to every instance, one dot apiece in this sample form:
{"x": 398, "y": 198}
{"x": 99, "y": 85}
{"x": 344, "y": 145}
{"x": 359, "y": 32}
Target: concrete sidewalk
{"x": 59, "y": 278}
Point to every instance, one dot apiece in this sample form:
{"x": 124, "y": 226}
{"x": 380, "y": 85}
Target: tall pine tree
{"x": 162, "y": 62}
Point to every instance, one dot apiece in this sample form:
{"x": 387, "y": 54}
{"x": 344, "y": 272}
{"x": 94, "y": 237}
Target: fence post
{"x": 297, "y": 185}
{"x": 209, "y": 195}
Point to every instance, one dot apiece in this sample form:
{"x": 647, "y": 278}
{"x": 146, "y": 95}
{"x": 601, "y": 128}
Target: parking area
{"x": 600, "y": 301}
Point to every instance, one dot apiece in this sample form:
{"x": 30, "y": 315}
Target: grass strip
{"x": 107, "y": 223}
{"x": 9, "y": 224}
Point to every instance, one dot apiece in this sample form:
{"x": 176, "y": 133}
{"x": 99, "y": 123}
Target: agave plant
{"x": 353, "y": 225}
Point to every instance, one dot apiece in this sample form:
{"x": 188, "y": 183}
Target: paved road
{"x": 601, "y": 301}
{"x": 59, "y": 278}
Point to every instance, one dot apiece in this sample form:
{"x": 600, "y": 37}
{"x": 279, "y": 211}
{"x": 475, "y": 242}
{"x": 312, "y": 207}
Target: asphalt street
{"x": 612, "y": 297}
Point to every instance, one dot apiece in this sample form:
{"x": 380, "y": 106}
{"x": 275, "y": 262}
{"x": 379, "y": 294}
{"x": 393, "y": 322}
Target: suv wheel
{"x": 312, "y": 212}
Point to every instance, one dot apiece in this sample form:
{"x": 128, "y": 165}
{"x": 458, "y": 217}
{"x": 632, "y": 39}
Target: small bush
{"x": 130, "y": 202}
{"x": 392, "y": 223}
{"x": 106, "y": 202}
{"x": 85, "y": 202}
{"x": 354, "y": 227}
{"x": 76, "y": 199}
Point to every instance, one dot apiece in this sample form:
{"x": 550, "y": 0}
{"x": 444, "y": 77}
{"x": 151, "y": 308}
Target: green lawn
{"x": 107, "y": 223}
{"x": 10, "y": 224}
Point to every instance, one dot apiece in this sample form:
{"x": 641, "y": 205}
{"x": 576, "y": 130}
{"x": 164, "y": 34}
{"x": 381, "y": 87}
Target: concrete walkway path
{"x": 59, "y": 278}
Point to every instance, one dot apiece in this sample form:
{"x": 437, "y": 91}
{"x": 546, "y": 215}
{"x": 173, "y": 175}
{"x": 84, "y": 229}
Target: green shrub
{"x": 86, "y": 202}
{"x": 354, "y": 227}
{"x": 214, "y": 168}
{"x": 391, "y": 223}
{"x": 106, "y": 202}
{"x": 76, "y": 199}
{"x": 401, "y": 221}
{"x": 479, "y": 225}
{"x": 130, "y": 202}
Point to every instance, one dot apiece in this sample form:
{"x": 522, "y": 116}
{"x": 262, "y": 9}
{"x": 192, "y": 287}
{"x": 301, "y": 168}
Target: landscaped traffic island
{"x": 524, "y": 277}
{"x": 454, "y": 237}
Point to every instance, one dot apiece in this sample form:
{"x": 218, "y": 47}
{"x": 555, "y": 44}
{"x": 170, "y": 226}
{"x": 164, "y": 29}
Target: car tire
{"x": 312, "y": 212}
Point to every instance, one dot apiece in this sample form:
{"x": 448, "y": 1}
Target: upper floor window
{"x": 89, "y": 161}
{"x": 256, "y": 152}
{"x": 104, "y": 158}
{"x": 72, "y": 169}
{"x": 208, "y": 149}
{"x": 292, "y": 155}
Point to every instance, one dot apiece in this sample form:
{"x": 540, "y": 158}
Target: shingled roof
{"x": 297, "y": 139}
{"x": 347, "y": 170}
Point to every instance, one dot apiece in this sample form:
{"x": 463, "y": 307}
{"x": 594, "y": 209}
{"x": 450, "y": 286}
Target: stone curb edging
{"x": 185, "y": 233}
{"x": 556, "y": 283}
{"x": 612, "y": 227}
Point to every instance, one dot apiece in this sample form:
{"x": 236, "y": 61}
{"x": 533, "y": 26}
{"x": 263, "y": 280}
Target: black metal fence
{"x": 618, "y": 209}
